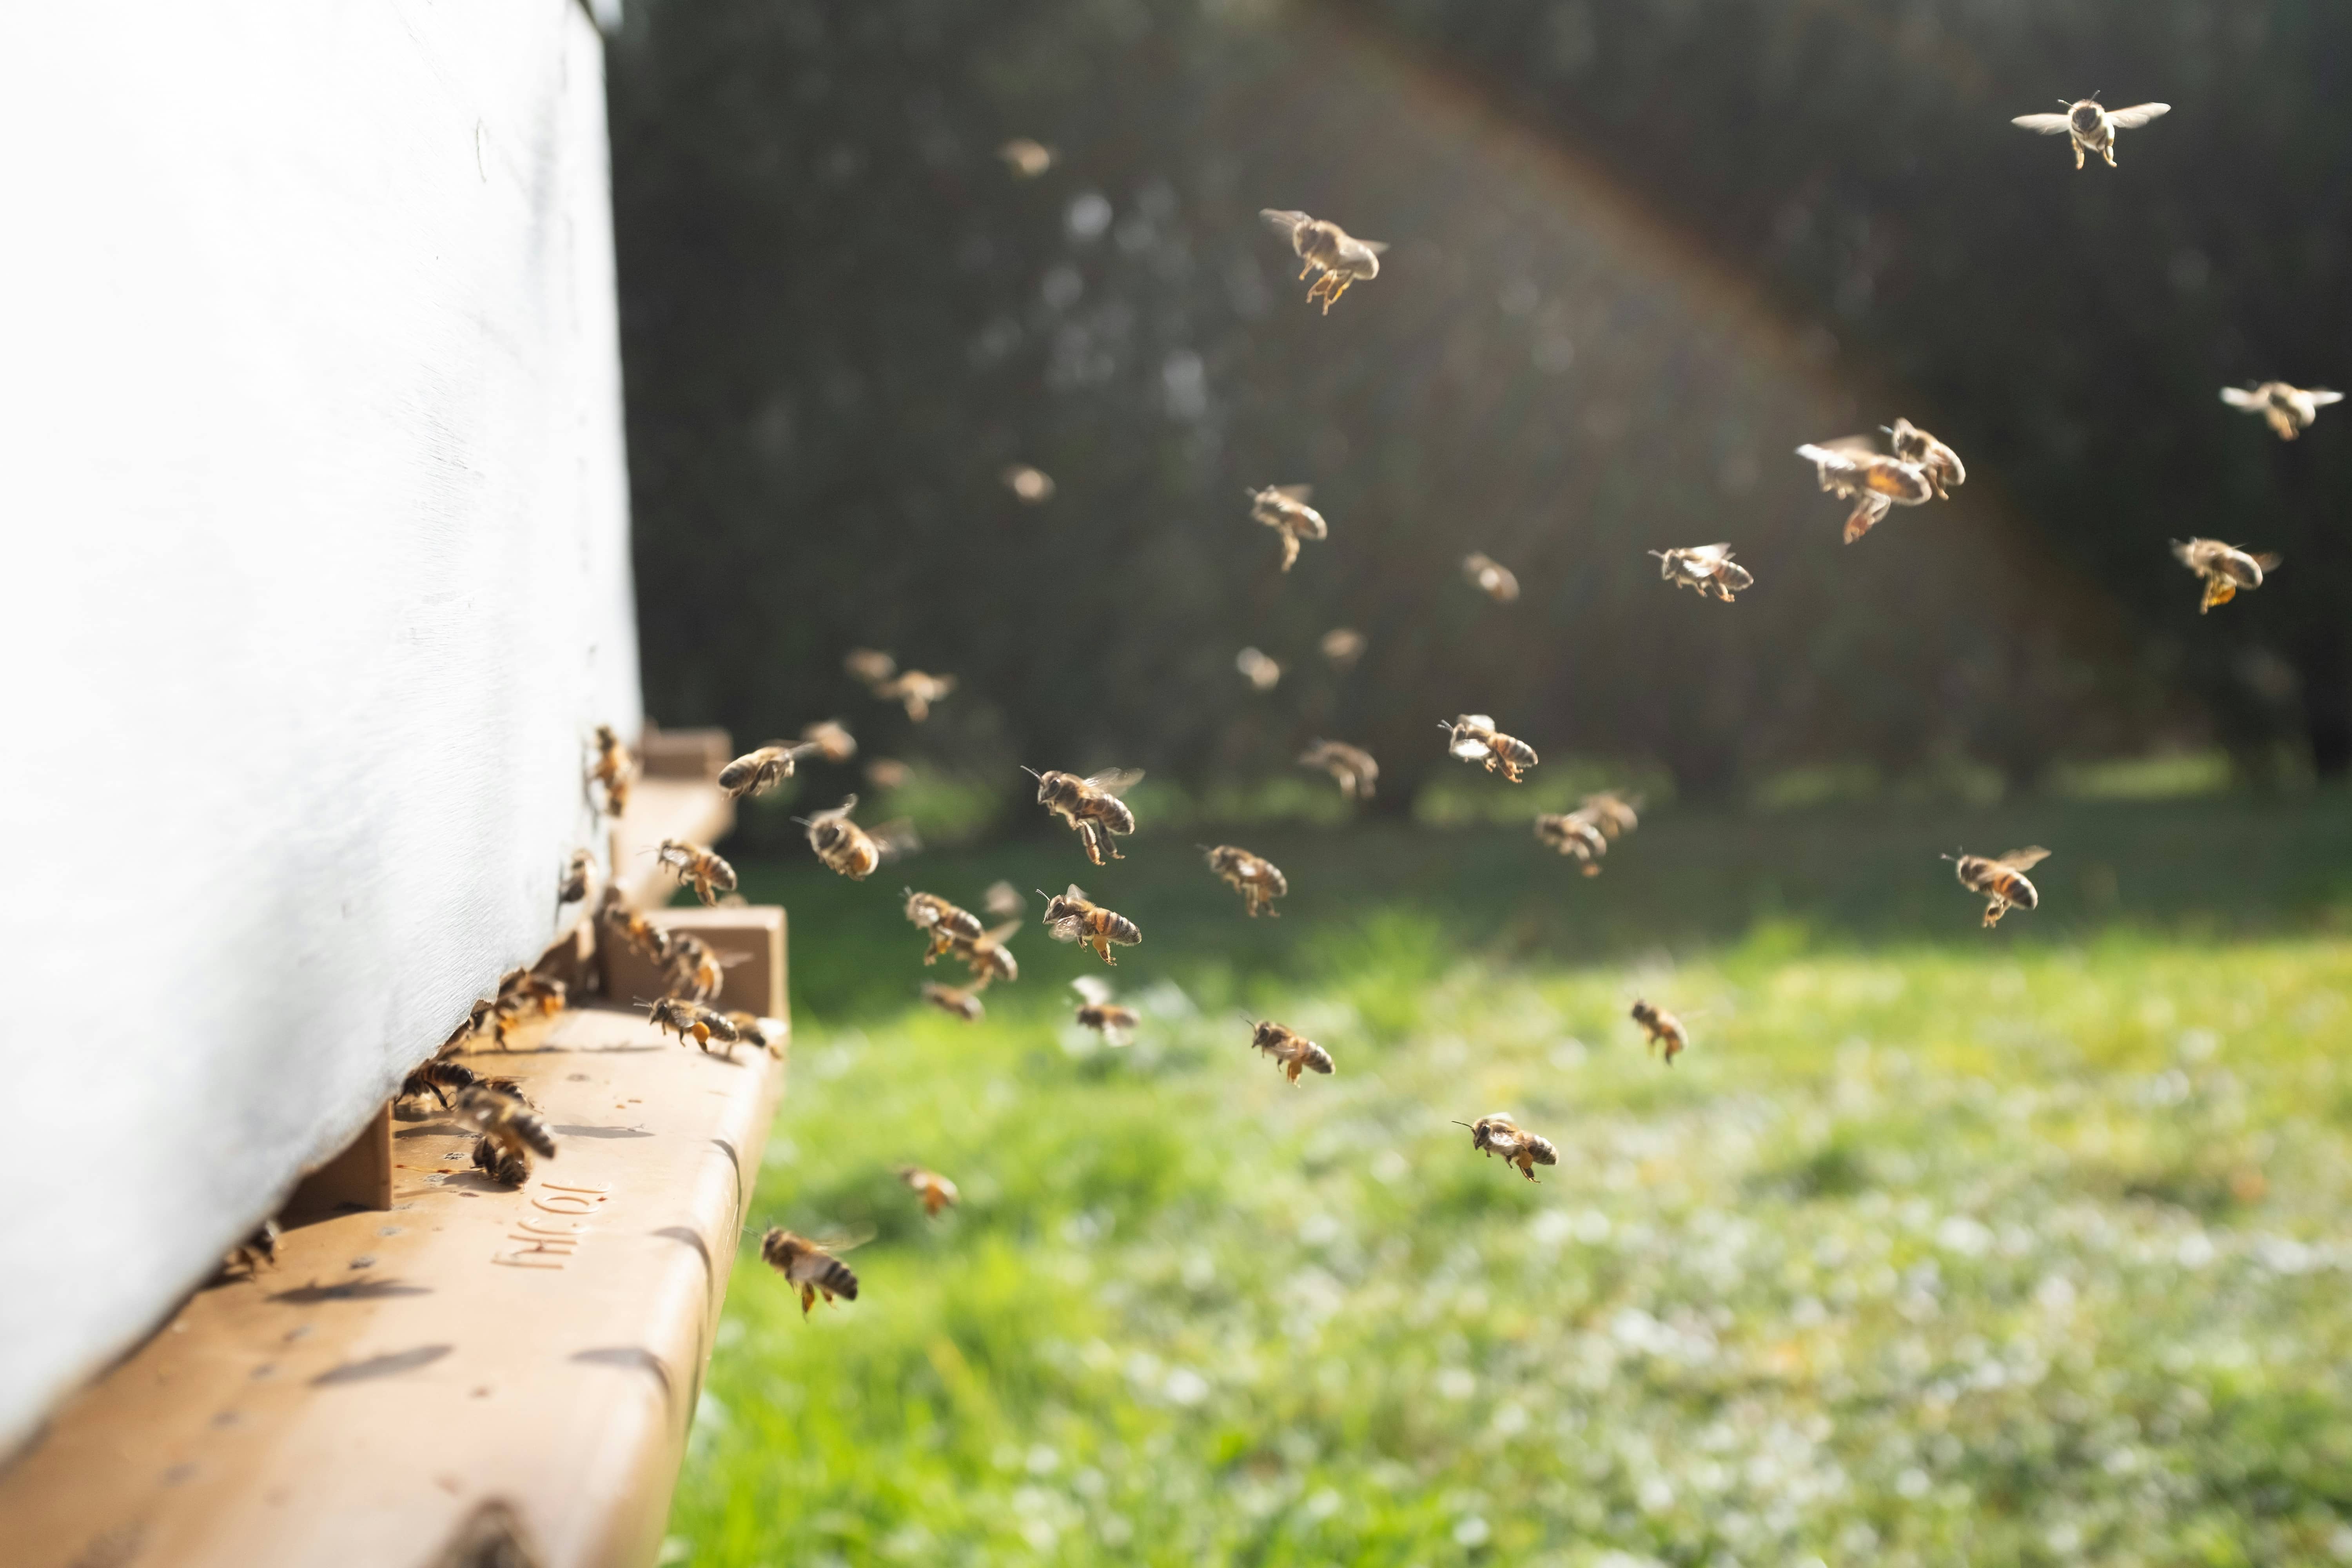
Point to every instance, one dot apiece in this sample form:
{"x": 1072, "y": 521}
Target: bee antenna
{"x": 1032, "y": 773}
{"x": 1459, "y": 1122}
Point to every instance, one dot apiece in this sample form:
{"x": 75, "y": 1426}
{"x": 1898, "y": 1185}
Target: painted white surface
{"x": 313, "y": 512}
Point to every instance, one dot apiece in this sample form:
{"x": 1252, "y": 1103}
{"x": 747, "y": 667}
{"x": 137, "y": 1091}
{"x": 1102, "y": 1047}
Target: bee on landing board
{"x": 255, "y": 1252}
{"x": 942, "y": 923}
{"x": 1660, "y": 1027}
{"x": 578, "y": 873}
{"x": 767, "y": 1033}
{"x": 1498, "y": 1134}
{"x": 1091, "y": 806}
{"x": 1575, "y": 834}
{"x": 1074, "y": 917}
{"x": 1490, "y": 577}
{"x": 691, "y": 1020}
{"x": 1706, "y": 569}
{"x": 1097, "y": 1011}
{"x": 1293, "y": 1052}
{"x": 833, "y": 743}
{"x": 438, "y": 1079}
{"x": 1999, "y": 879}
{"x": 757, "y": 772}
{"x": 510, "y": 1132}
{"x": 2225, "y": 568}
{"x": 2291, "y": 410}
{"x": 1849, "y": 469}
{"x": 935, "y": 1191}
{"x": 1283, "y": 508}
{"x": 960, "y": 1002}
{"x": 988, "y": 957}
{"x": 810, "y": 1266}
{"x": 2092, "y": 125}
{"x": 1257, "y": 880}
{"x": 1473, "y": 738}
{"x": 1350, "y": 767}
{"x": 614, "y": 771}
{"x": 850, "y": 850}
{"x": 696, "y": 865}
{"x": 1343, "y": 646}
{"x": 1325, "y": 248}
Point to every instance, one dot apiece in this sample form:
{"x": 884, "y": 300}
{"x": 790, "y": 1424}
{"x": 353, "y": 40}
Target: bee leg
{"x": 2078, "y": 154}
{"x": 808, "y": 1298}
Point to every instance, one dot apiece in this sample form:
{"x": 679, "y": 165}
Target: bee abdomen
{"x": 532, "y": 1129}
{"x": 510, "y": 1166}
{"x": 1318, "y": 1059}
{"x": 1541, "y": 1150}
{"x": 837, "y": 1277}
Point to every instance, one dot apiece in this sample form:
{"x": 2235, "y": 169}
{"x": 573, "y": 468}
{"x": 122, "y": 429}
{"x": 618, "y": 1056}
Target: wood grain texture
{"x": 315, "y": 501}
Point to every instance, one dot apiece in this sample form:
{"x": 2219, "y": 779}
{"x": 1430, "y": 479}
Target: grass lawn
{"x": 1938, "y": 1246}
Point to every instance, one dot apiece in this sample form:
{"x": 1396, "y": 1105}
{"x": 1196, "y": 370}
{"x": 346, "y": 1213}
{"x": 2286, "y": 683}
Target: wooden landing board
{"x": 477, "y": 1362}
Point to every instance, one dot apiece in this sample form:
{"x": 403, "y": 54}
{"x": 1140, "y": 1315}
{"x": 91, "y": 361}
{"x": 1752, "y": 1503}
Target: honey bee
{"x": 1999, "y": 879}
{"x": 1490, "y": 578}
{"x": 847, "y": 848}
{"x": 1660, "y": 1027}
{"x": 1027, "y": 160}
{"x": 691, "y": 1020}
{"x": 1324, "y": 246}
{"x": 257, "y": 1251}
{"x": 1473, "y": 738}
{"x": 1350, "y": 767}
{"x": 1293, "y": 1052}
{"x": 615, "y": 770}
{"x": 508, "y": 1167}
{"x": 624, "y": 924}
{"x": 935, "y": 1191}
{"x": 768, "y": 1034}
{"x": 1091, "y": 806}
{"x": 694, "y": 972}
{"x": 940, "y": 921}
{"x": 887, "y": 773}
{"x": 833, "y": 743}
{"x": 1003, "y": 900}
{"x": 1073, "y": 917}
{"x": 1283, "y": 508}
{"x": 511, "y": 1132}
{"x": 757, "y": 772}
{"x": 1874, "y": 482}
{"x": 1343, "y": 646}
{"x": 437, "y": 1079}
{"x": 1262, "y": 672}
{"x": 695, "y": 866}
{"x": 1914, "y": 446}
{"x": 577, "y": 873}
{"x": 1257, "y": 880}
{"x": 2092, "y": 125}
{"x": 527, "y": 991}
{"x": 988, "y": 957}
{"x": 2291, "y": 410}
{"x": 1097, "y": 1011}
{"x": 2226, "y": 568}
{"x": 811, "y": 1268}
{"x": 1611, "y": 812}
{"x": 1498, "y": 1134}
{"x": 1707, "y": 568}
{"x": 916, "y": 691}
{"x": 959, "y": 1000}
{"x": 868, "y": 667}
{"x": 1573, "y": 833}
{"x": 1035, "y": 485}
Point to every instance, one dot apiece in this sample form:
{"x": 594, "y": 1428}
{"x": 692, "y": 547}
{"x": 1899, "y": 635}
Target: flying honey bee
{"x": 1257, "y": 880}
{"x": 613, "y": 770}
{"x": 1324, "y": 246}
{"x": 2226, "y": 568}
{"x": 1091, "y": 806}
{"x": 868, "y": 667}
{"x": 887, "y": 773}
{"x": 695, "y": 866}
{"x": 1914, "y": 446}
{"x": 1035, "y": 485}
{"x": 692, "y": 1021}
{"x": 1576, "y": 835}
{"x": 577, "y": 873}
{"x": 1259, "y": 670}
{"x": 942, "y": 922}
{"x": 1660, "y": 1027}
{"x": 757, "y": 772}
{"x": 510, "y": 1132}
{"x": 1293, "y": 1052}
{"x": 624, "y": 924}
{"x": 438, "y": 1079}
{"x": 1342, "y": 647}
{"x": 1350, "y": 767}
{"x": 766, "y": 1034}
{"x": 1097, "y": 1011}
{"x": 1073, "y": 917}
{"x": 527, "y": 991}
{"x": 1874, "y": 482}
{"x": 2291, "y": 410}
{"x": 1473, "y": 738}
{"x": 1612, "y": 812}
{"x": 810, "y": 1266}
{"x": 956, "y": 1000}
{"x": 935, "y": 1191}
{"x": 988, "y": 956}
{"x": 916, "y": 691}
{"x": 1490, "y": 578}
{"x": 1003, "y": 900}
{"x": 833, "y": 743}
{"x": 694, "y": 971}
{"x": 1283, "y": 508}
{"x": 1026, "y": 159}
{"x": 850, "y": 850}
{"x": 1498, "y": 1134}
{"x": 257, "y": 1251}
{"x": 1705, "y": 568}
{"x": 1999, "y": 879}
{"x": 2092, "y": 125}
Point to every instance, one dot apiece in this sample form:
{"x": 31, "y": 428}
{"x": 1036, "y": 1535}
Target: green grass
{"x": 1938, "y": 1246}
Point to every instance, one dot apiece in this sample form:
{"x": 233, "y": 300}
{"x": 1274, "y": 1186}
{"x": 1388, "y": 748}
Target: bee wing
{"x": 2320, "y": 394}
{"x": 1377, "y": 247}
{"x": 2023, "y": 859}
{"x": 895, "y": 838}
{"x": 1863, "y": 444}
{"x": 838, "y": 1242}
{"x": 1093, "y": 988}
{"x": 2238, "y": 397}
{"x": 996, "y": 936}
{"x": 1469, "y": 748}
{"x": 1069, "y": 928}
{"x": 1116, "y": 781}
{"x": 1482, "y": 721}
{"x": 2048, "y": 124}
{"x": 2269, "y": 561}
{"x": 1289, "y": 222}
{"x": 1296, "y": 492}
{"x": 2137, "y": 115}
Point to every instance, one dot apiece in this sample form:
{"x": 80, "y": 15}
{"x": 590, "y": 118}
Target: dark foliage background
{"x": 841, "y": 318}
